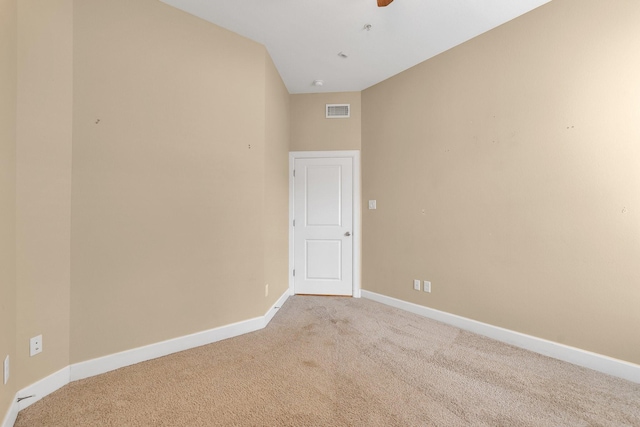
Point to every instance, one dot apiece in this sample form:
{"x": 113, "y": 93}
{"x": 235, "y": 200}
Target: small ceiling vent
{"x": 338, "y": 111}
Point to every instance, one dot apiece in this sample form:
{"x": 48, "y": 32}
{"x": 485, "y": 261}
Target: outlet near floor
{"x": 35, "y": 345}
{"x": 416, "y": 285}
{"x": 427, "y": 286}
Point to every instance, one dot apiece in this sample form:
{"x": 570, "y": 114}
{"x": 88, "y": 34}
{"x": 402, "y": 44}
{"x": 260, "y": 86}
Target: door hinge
{"x": 294, "y": 173}
{"x": 294, "y": 222}
{"x": 294, "y": 272}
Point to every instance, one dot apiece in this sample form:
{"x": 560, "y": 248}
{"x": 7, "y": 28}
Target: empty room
{"x": 338, "y": 213}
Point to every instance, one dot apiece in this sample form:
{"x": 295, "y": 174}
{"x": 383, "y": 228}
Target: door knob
{"x": 347, "y": 234}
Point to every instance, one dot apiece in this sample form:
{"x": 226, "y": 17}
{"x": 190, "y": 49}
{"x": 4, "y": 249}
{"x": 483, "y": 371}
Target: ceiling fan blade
{"x": 383, "y": 3}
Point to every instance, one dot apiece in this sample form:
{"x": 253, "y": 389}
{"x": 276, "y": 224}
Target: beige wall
{"x": 179, "y": 132}
{"x": 276, "y": 192}
{"x": 168, "y": 177}
{"x": 43, "y": 185}
{"x": 311, "y": 131}
{"x": 8, "y": 93}
{"x": 506, "y": 172}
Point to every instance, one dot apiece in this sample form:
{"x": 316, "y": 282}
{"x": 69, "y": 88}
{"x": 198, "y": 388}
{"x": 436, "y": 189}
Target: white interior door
{"x": 323, "y": 230}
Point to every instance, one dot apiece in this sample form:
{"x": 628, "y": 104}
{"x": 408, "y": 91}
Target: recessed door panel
{"x": 323, "y": 260}
{"x": 323, "y": 195}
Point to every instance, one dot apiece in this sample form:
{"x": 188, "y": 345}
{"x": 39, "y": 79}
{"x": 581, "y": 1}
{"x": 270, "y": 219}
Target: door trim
{"x": 357, "y": 214}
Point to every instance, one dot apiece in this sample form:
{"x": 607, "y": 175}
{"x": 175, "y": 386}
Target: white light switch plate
{"x": 6, "y": 369}
{"x": 372, "y": 204}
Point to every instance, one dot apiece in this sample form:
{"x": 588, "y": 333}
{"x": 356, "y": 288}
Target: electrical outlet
{"x": 35, "y": 345}
{"x": 266, "y": 290}
{"x": 6, "y": 369}
{"x": 416, "y": 285}
{"x": 427, "y": 286}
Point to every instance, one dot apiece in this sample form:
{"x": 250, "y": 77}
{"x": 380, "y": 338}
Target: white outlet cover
{"x": 372, "y": 204}
{"x": 35, "y": 345}
{"x": 427, "y": 286}
{"x": 6, "y": 369}
{"x": 416, "y": 285}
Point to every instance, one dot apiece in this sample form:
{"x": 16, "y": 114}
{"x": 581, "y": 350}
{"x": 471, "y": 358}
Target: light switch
{"x": 372, "y": 204}
{"x": 6, "y": 369}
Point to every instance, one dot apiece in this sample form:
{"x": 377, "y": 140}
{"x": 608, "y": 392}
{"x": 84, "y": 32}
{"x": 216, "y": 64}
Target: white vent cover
{"x": 338, "y": 111}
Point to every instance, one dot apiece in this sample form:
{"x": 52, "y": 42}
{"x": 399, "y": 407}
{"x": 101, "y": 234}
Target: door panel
{"x": 323, "y": 195}
{"x": 323, "y": 260}
{"x": 323, "y": 213}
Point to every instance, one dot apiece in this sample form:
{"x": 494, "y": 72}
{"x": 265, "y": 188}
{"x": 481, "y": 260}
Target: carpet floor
{"x": 325, "y": 361}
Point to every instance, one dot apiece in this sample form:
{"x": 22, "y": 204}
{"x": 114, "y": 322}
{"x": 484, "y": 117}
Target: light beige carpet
{"x": 345, "y": 362}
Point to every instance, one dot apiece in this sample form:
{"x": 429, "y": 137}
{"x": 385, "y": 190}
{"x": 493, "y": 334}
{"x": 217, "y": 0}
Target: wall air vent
{"x": 338, "y": 111}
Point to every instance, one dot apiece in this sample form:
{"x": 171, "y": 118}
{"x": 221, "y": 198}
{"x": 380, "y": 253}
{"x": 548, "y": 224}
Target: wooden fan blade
{"x": 383, "y": 3}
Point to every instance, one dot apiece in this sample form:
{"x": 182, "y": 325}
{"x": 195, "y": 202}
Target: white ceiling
{"x": 304, "y": 37}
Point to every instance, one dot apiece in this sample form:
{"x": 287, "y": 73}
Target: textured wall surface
{"x": 168, "y": 176}
{"x": 8, "y": 106}
{"x": 276, "y": 194}
{"x": 43, "y": 206}
{"x": 506, "y": 172}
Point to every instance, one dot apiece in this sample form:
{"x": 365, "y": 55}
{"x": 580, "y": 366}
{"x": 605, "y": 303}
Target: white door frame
{"x": 357, "y": 202}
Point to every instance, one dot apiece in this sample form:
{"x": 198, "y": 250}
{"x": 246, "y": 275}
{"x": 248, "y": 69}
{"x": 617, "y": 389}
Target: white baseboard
{"x": 119, "y": 360}
{"x": 275, "y": 307}
{"x": 597, "y": 362}
{"x": 12, "y": 414}
{"x": 101, "y": 365}
{"x": 115, "y": 361}
{"x": 42, "y": 388}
